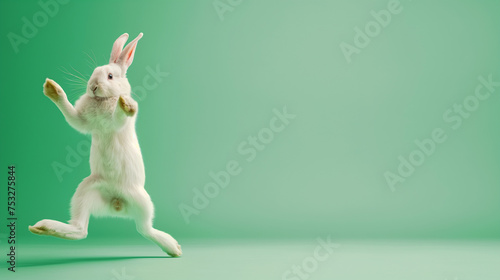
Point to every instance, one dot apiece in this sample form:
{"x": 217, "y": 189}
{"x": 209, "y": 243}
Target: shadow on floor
{"x": 55, "y": 261}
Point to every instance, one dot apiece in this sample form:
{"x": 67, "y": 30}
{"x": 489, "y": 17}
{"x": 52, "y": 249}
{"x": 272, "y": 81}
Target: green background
{"x": 324, "y": 174}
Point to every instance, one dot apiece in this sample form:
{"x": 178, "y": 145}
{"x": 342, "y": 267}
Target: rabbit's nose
{"x": 94, "y": 89}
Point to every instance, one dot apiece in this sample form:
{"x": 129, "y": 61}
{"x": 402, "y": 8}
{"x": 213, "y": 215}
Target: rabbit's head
{"x": 111, "y": 80}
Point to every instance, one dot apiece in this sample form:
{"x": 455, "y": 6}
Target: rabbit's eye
{"x": 110, "y": 76}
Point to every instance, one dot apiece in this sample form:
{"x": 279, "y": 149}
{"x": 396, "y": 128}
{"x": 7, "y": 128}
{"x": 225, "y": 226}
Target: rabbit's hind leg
{"x": 86, "y": 200}
{"x": 142, "y": 211}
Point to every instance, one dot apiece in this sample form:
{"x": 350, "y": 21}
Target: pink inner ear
{"x": 130, "y": 53}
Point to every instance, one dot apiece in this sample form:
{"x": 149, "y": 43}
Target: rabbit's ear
{"x": 127, "y": 55}
{"x": 117, "y": 48}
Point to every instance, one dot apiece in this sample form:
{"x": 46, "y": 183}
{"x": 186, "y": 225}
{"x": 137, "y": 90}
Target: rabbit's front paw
{"x": 52, "y": 90}
{"x": 128, "y": 106}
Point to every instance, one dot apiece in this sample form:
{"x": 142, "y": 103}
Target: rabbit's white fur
{"x": 115, "y": 186}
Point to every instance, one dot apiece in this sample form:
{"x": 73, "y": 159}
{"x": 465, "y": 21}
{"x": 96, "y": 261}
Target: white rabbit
{"x": 116, "y": 184}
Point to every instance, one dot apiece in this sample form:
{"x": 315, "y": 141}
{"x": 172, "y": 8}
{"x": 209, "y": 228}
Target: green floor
{"x": 208, "y": 259}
